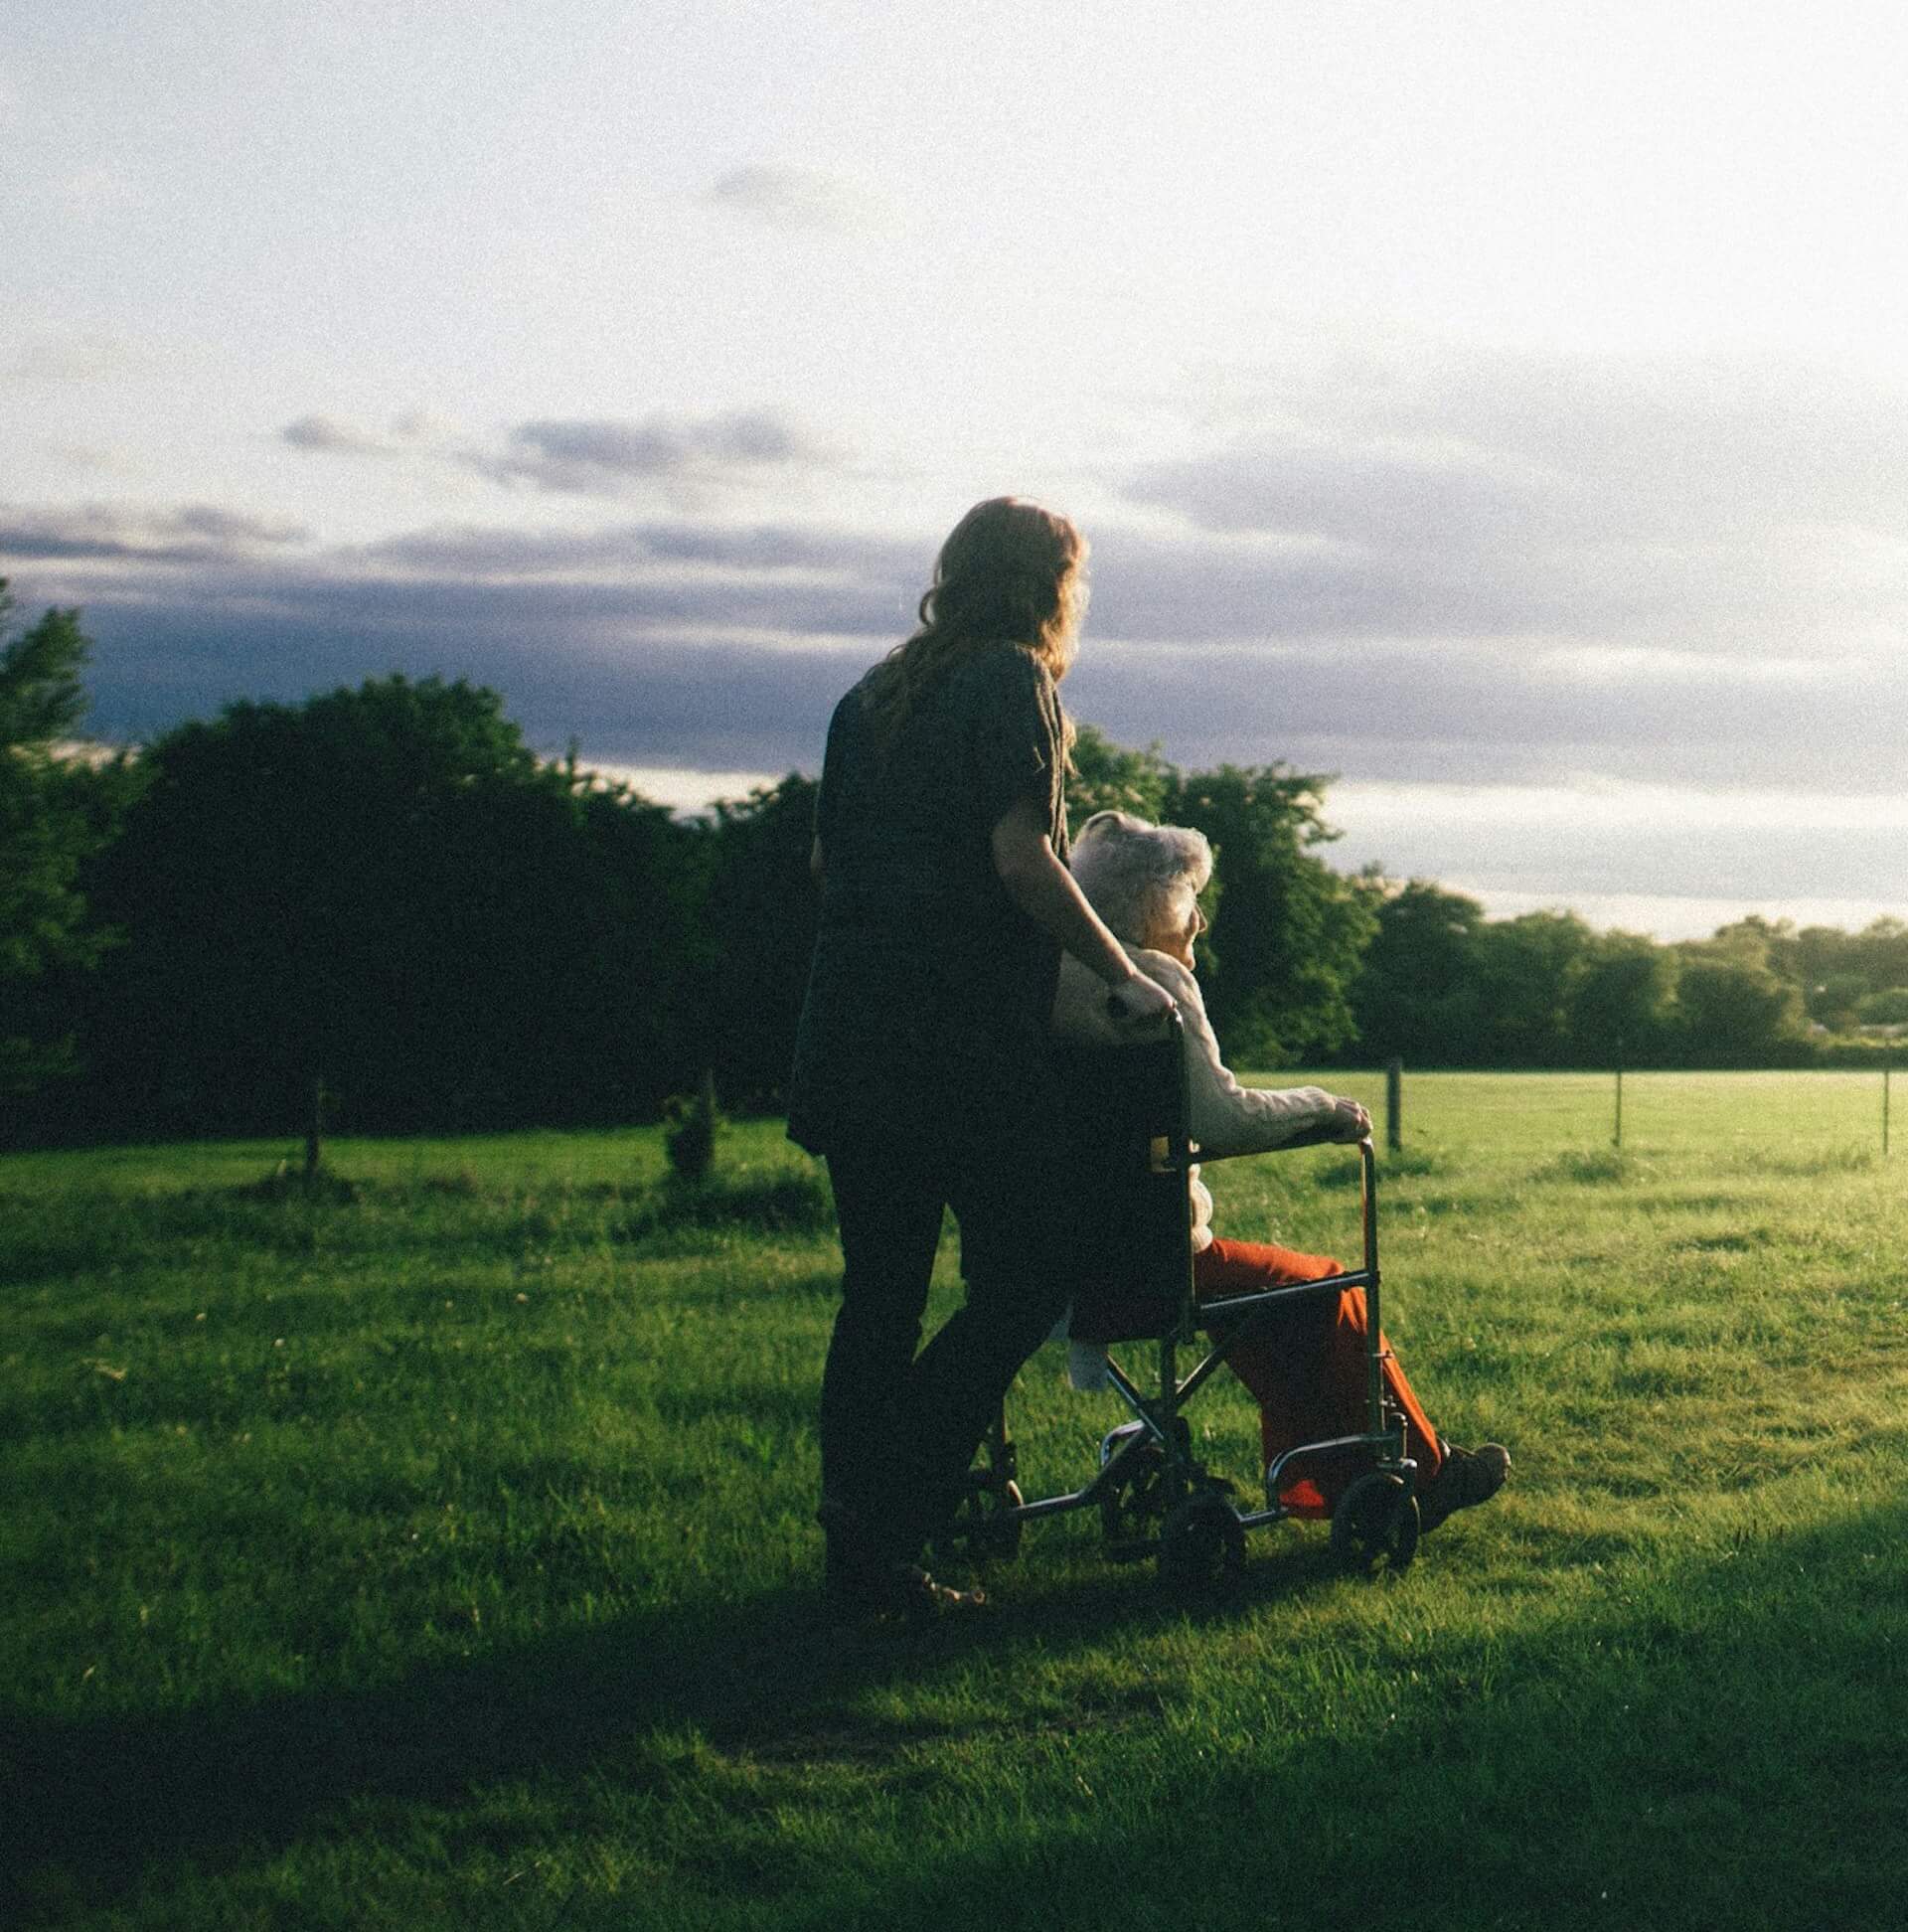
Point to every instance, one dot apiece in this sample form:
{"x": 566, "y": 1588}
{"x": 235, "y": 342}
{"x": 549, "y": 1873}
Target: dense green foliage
{"x": 437, "y": 1550}
{"x": 56, "y": 810}
{"x": 383, "y": 897}
{"x": 384, "y": 889}
{"x": 381, "y": 891}
{"x": 1442, "y": 986}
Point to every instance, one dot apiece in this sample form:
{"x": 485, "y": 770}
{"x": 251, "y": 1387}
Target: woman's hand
{"x": 1139, "y": 1002}
{"x": 1050, "y": 896}
{"x": 1348, "y": 1122}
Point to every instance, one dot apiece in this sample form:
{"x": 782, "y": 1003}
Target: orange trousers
{"x": 1306, "y": 1367}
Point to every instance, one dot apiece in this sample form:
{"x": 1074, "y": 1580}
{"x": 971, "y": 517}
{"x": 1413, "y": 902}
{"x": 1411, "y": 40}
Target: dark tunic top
{"x": 929, "y": 996}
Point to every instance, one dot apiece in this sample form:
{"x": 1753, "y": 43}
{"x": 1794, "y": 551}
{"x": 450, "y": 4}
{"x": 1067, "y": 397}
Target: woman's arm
{"x": 1044, "y": 888}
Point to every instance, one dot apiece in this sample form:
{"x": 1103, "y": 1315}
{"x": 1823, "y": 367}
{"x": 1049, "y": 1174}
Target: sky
{"x": 1502, "y": 408}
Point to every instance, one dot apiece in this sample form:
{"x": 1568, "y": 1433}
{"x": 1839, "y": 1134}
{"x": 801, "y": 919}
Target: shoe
{"x": 1465, "y": 1478}
{"x": 861, "y": 1585}
{"x": 869, "y": 1594}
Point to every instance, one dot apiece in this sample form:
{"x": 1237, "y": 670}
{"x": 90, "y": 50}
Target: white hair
{"x": 1137, "y": 876}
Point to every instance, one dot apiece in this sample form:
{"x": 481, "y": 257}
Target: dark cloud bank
{"x": 1460, "y": 570}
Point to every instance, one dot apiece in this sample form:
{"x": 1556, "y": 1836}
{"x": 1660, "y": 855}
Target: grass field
{"x": 437, "y": 1550}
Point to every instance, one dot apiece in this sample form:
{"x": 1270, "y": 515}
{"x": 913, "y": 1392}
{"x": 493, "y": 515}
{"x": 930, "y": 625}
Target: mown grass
{"x": 438, "y": 1550}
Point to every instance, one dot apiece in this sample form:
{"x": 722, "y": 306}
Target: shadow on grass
{"x": 101, "y": 1800}
{"x": 1722, "y": 1753}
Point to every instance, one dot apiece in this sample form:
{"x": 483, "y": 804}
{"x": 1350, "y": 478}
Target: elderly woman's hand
{"x": 1139, "y": 1002}
{"x": 1348, "y": 1122}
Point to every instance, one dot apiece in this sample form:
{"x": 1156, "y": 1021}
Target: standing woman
{"x": 923, "y": 1066}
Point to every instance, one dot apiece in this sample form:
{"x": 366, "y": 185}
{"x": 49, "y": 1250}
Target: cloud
{"x": 71, "y": 356}
{"x": 674, "y": 457}
{"x": 607, "y": 457}
{"x": 1731, "y": 504}
{"x": 330, "y": 436}
{"x": 770, "y": 195}
{"x": 1505, "y": 576}
{"x": 672, "y": 641}
{"x": 191, "y": 533}
{"x": 1508, "y": 710}
{"x": 414, "y": 429}
{"x": 608, "y": 667}
{"x": 740, "y": 550}
{"x": 1771, "y": 846}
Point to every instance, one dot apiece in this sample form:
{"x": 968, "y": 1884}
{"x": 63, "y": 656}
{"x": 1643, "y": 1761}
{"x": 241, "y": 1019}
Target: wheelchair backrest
{"x": 1125, "y": 1174}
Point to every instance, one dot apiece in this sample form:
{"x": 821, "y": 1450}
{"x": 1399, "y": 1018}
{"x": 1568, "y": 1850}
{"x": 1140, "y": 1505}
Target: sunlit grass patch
{"x": 444, "y": 1550}
{"x": 1594, "y": 1168}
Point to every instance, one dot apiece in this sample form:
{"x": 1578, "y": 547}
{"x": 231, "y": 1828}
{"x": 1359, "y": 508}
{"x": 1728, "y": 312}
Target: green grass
{"x": 438, "y": 1550}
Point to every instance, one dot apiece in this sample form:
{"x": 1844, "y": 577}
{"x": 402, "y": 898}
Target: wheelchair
{"x": 1129, "y": 1158}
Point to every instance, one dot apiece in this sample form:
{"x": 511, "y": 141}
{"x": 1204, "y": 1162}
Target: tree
{"x": 1732, "y": 1010}
{"x": 1620, "y": 1004}
{"x": 1834, "y": 1002}
{"x": 1528, "y": 972}
{"x": 384, "y": 887}
{"x": 1279, "y": 967}
{"x": 1774, "y": 942}
{"x": 1888, "y": 1007}
{"x": 1416, "y": 993}
{"x": 763, "y": 910}
{"x": 57, "y": 808}
{"x": 1108, "y": 778}
{"x": 1880, "y": 951}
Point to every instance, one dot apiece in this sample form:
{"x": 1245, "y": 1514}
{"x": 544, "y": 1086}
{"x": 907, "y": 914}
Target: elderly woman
{"x": 1306, "y": 1366}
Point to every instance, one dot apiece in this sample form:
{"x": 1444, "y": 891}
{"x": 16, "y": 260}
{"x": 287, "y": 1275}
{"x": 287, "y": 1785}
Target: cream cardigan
{"x": 1226, "y": 1118}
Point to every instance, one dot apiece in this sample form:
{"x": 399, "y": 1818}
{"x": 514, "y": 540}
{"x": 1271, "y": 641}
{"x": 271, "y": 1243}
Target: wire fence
{"x": 1639, "y": 1112}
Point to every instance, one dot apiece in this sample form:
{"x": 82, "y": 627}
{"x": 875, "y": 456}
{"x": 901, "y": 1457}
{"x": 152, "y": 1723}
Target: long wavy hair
{"x": 1010, "y": 572}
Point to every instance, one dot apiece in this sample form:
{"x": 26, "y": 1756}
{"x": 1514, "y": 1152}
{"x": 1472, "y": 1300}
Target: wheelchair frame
{"x": 1155, "y": 1497}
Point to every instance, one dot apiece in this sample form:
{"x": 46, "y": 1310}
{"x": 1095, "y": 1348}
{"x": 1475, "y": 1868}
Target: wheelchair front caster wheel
{"x": 1376, "y": 1526}
{"x": 1202, "y": 1544}
{"x": 1130, "y": 1512}
{"x": 978, "y": 1531}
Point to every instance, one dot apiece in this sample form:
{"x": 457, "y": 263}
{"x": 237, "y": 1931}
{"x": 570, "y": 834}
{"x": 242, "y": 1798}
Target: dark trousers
{"x": 898, "y": 1429}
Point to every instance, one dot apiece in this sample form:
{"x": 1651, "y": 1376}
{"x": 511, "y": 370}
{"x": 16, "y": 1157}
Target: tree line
{"x": 383, "y": 895}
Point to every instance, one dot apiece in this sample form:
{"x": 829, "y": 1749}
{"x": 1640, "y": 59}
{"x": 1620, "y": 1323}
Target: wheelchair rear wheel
{"x": 1376, "y": 1526}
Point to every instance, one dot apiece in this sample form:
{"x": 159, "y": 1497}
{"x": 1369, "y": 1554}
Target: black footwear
{"x": 1465, "y": 1478}
{"x": 860, "y": 1583}
{"x": 894, "y": 1590}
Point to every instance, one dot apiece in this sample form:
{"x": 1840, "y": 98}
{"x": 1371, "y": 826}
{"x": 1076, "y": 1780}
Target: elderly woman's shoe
{"x": 1465, "y": 1478}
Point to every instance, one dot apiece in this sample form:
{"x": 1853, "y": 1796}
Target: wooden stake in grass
{"x": 1616, "y": 1138}
{"x": 1394, "y": 1105}
{"x": 314, "y": 1136}
{"x": 689, "y": 1139}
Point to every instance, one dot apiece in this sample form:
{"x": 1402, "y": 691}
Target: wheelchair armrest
{"x": 1322, "y": 1136}
{"x": 1312, "y": 1137}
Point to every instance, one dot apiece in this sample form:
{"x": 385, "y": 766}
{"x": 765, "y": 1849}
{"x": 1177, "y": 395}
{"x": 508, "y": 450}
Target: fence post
{"x": 1394, "y": 1105}
{"x": 315, "y": 1134}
